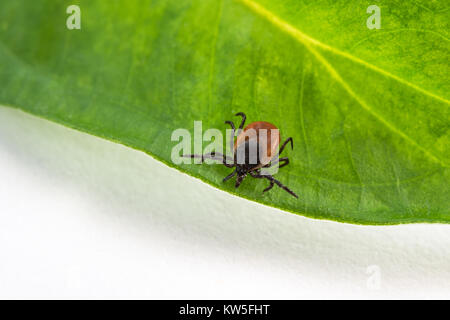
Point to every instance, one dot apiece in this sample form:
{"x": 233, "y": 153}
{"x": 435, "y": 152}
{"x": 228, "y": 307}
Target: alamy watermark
{"x": 374, "y": 20}
{"x": 74, "y": 20}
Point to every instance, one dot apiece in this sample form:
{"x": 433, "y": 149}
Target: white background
{"x": 81, "y": 217}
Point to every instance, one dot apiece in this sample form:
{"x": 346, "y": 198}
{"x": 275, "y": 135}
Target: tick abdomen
{"x": 257, "y": 144}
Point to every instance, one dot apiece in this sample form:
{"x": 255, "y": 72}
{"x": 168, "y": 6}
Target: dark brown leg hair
{"x": 272, "y": 180}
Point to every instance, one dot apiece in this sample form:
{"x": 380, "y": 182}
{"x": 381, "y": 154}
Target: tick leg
{"x": 232, "y": 133}
{"x": 284, "y": 160}
{"x": 273, "y": 180}
{"x": 238, "y": 181}
{"x": 231, "y": 175}
{"x": 213, "y": 155}
{"x": 259, "y": 176}
{"x": 244, "y": 117}
{"x": 269, "y": 187}
{"x": 285, "y": 143}
{"x": 281, "y": 186}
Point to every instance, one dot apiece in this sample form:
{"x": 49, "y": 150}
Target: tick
{"x": 256, "y": 136}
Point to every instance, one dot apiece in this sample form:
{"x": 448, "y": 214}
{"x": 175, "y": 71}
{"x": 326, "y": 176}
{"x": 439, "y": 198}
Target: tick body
{"x": 255, "y": 148}
{"x": 264, "y": 136}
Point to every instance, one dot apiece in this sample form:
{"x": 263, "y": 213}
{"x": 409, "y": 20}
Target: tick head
{"x": 241, "y": 171}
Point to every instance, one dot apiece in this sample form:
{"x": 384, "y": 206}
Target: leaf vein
{"x": 308, "y": 42}
{"x": 306, "y": 39}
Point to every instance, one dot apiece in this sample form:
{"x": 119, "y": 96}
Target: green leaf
{"x": 368, "y": 109}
